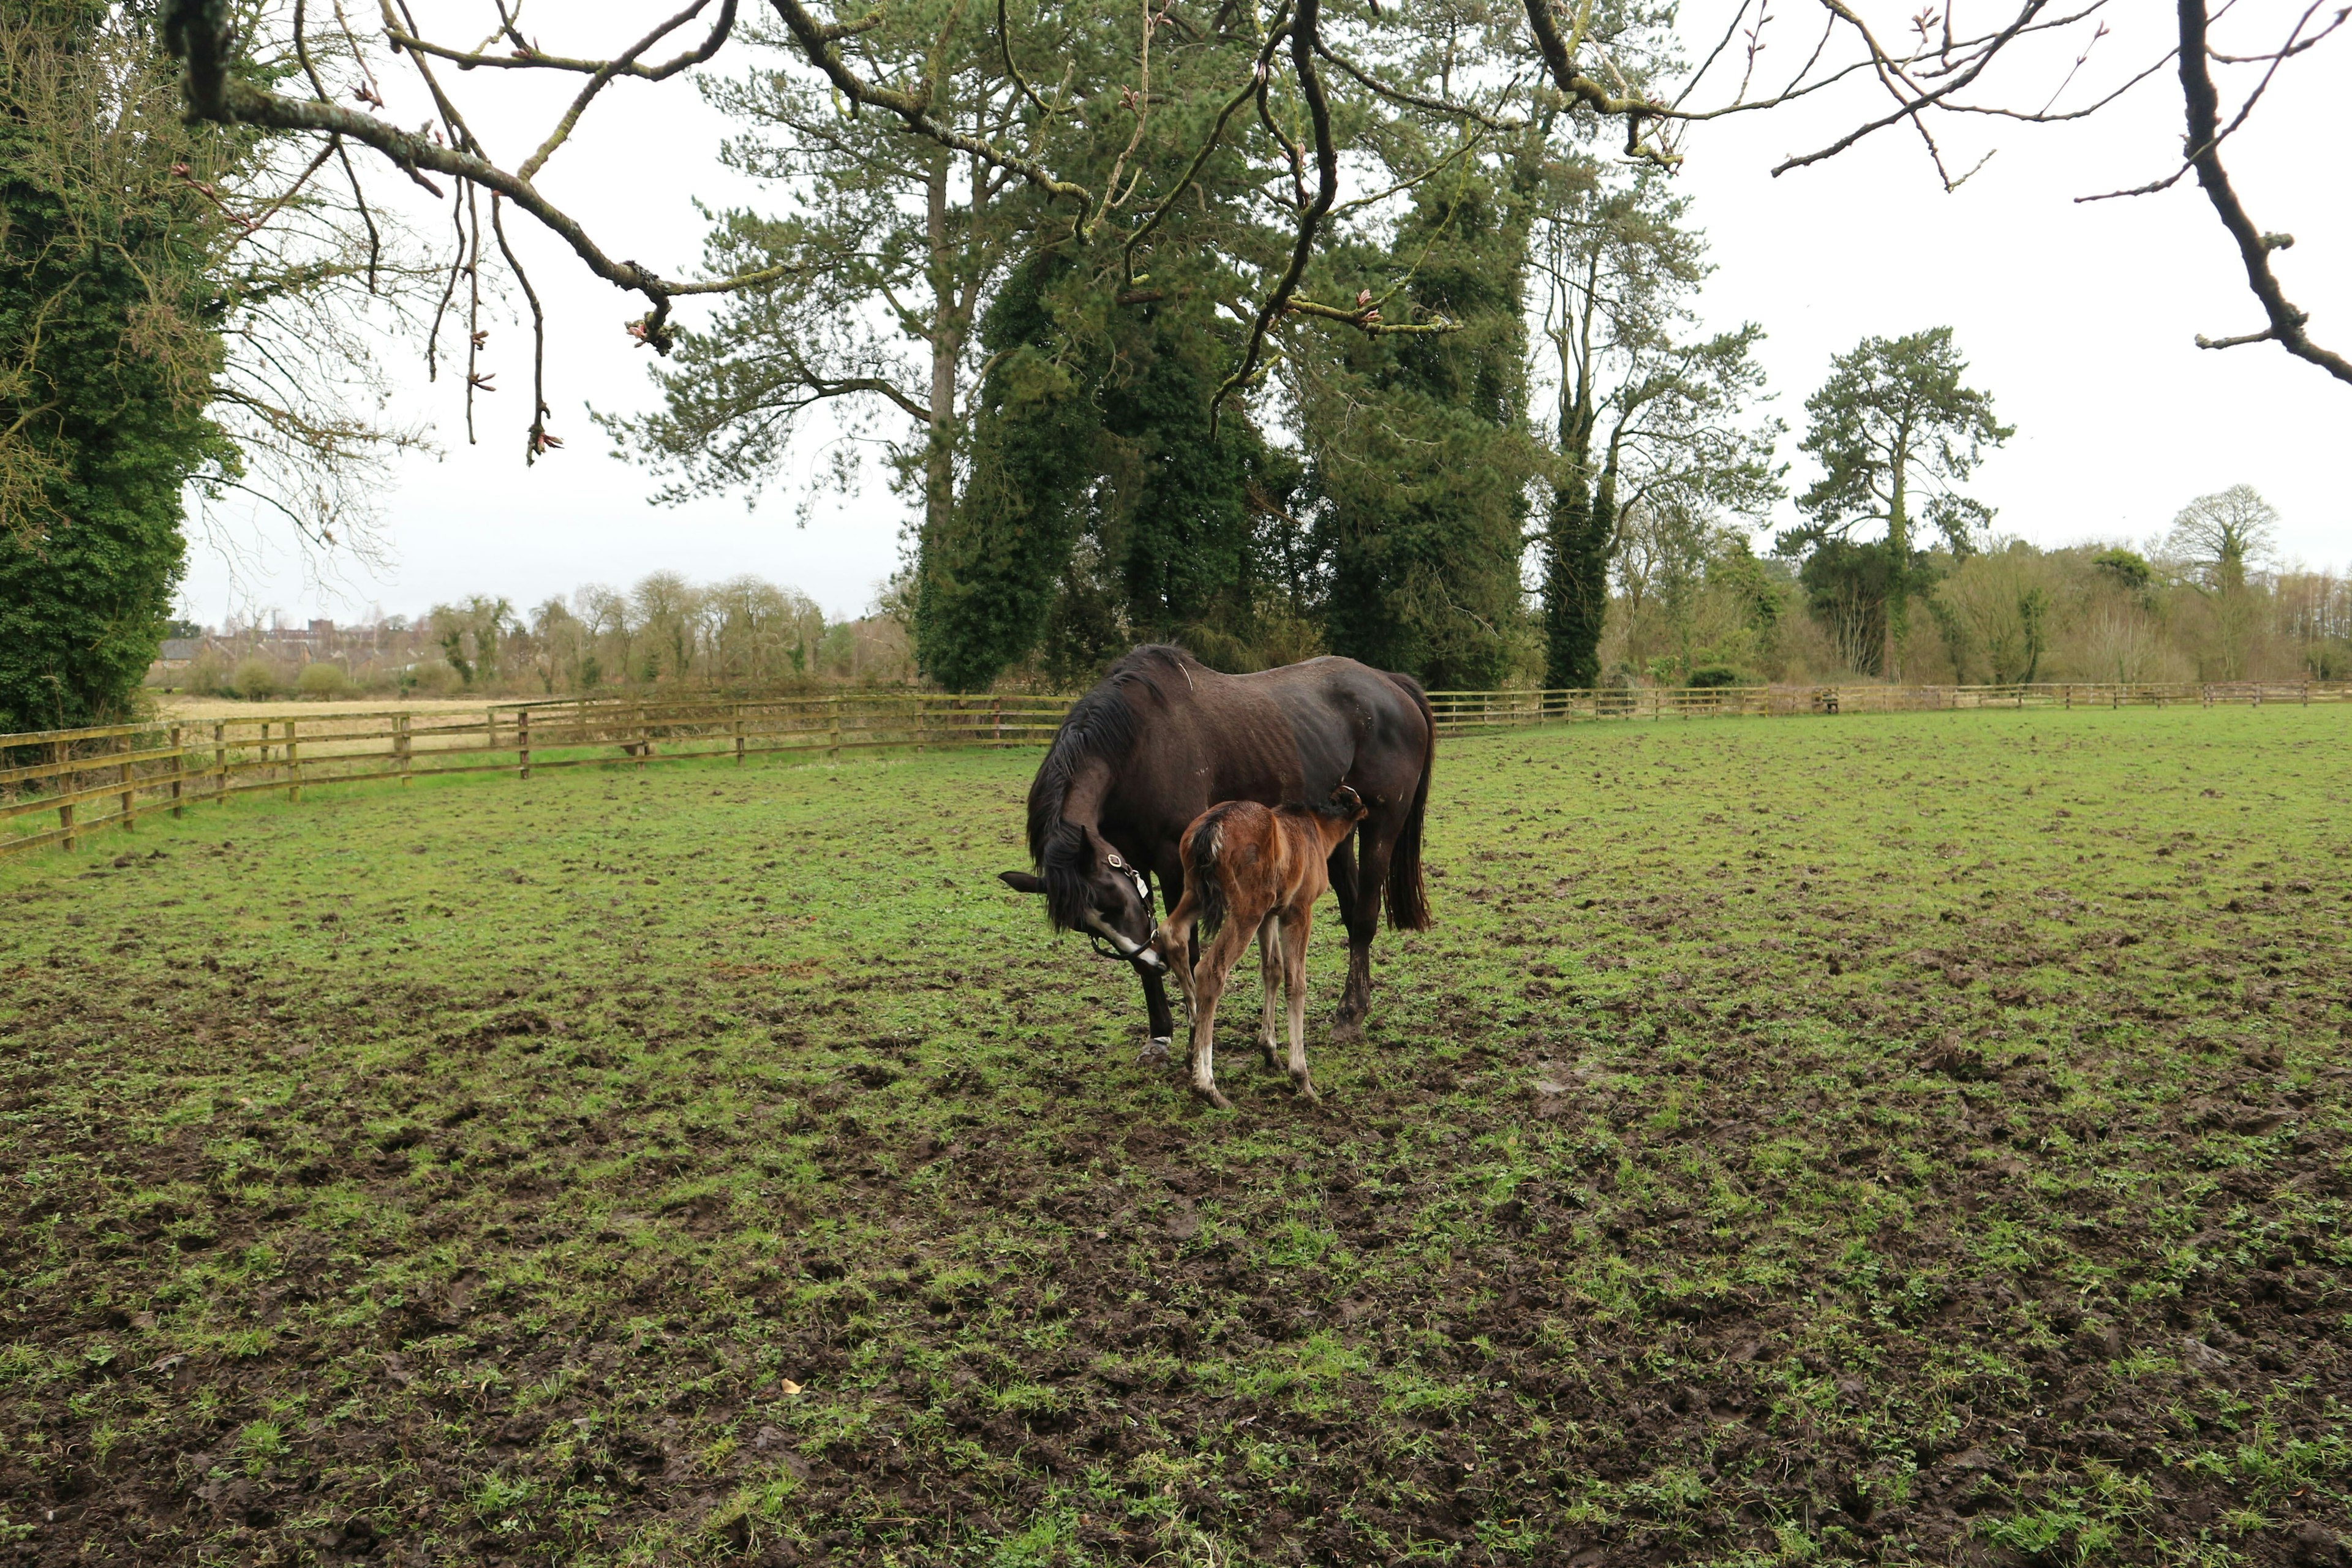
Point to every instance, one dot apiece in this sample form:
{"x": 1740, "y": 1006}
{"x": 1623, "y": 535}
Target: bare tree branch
{"x": 2254, "y": 248}
{"x": 1305, "y": 29}
{"x": 197, "y": 31}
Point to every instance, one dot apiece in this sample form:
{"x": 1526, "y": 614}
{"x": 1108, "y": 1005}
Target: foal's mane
{"x": 1102, "y": 726}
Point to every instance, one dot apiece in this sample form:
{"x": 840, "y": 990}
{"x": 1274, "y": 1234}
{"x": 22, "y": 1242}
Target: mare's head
{"x": 1089, "y": 887}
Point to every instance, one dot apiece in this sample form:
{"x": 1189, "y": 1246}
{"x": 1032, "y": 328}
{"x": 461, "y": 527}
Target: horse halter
{"x": 1142, "y": 896}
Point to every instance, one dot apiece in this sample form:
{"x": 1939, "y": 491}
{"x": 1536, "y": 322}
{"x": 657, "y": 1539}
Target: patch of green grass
{"x": 1810, "y": 1141}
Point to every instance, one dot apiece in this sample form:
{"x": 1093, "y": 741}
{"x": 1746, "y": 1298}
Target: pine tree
{"x": 1891, "y": 424}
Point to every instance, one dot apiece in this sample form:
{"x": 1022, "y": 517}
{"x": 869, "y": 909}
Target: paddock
{"x": 1882, "y": 1137}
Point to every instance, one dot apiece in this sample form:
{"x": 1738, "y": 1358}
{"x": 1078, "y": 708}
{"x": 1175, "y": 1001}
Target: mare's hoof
{"x": 1347, "y": 1030}
{"x": 1155, "y": 1050}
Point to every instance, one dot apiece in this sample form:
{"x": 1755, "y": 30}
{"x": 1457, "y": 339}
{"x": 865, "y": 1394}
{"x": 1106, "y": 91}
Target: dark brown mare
{"x": 1250, "y": 872}
{"x": 1164, "y": 737}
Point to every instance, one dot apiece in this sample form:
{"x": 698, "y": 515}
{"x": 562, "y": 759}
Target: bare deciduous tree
{"x": 2035, "y": 62}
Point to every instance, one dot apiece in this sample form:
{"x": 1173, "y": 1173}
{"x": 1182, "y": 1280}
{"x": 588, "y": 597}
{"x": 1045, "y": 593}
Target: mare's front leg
{"x": 1294, "y": 977}
{"x": 1163, "y": 1023}
{"x": 1170, "y": 880}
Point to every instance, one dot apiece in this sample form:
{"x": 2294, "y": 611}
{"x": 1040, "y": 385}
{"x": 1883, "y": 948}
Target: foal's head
{"x": 1335, "y": 817}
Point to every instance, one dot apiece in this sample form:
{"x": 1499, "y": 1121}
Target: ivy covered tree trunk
{"x": 107, "y": 359}
{"x": 1575, "y": 586}
{"x": 1180, "y": 536}
{"x": 989, "y": 567}
{"x": 1422, "y": 453}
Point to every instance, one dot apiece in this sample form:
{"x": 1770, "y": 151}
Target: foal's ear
{"x": 1021, "y": 881}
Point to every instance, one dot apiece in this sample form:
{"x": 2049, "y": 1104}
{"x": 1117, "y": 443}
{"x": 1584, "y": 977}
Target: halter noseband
{"x": 1142, "y": 896}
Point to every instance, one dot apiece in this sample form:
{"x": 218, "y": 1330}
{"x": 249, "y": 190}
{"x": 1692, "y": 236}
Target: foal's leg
{"x": 1269, "y": 952}
{"x": 1173, "y": 942}
{"x": 1208, "y": 986}
{"x": 1294, "y": 922}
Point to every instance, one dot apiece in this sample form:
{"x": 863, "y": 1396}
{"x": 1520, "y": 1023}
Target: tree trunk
{"x": 946, "y": 347}
{"x": 1899, "y": 546}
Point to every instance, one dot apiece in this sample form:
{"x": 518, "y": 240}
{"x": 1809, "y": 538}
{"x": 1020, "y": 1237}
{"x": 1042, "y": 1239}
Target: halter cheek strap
{"x": 1121, "y": 945}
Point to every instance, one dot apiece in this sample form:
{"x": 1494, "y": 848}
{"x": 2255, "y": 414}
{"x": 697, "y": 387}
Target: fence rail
{"x": 1468, "y": 711}
{"x": 130, "y": 770}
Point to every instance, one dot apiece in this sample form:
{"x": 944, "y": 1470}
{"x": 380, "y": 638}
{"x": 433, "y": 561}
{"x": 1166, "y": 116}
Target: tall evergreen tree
{"x": 987, "y": 567}
{"x": 109, "y": 327}
{"x": 1420, "y": 448}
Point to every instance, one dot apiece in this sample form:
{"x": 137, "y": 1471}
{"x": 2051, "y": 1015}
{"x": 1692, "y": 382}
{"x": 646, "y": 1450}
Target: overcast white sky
{"x": 2080, "y": 319}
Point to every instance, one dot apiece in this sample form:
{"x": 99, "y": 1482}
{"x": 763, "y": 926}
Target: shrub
{"x": 254, "y": 679}
{"x": 432, "y": 679}
{"x": 322, "y": 679}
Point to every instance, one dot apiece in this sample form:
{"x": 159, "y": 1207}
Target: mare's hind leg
{"x": 1366, "y": 853}
{"x": 1269, "y": 952}
{"x": 1293, "y": 977}
{"x": 1208, "y": 985}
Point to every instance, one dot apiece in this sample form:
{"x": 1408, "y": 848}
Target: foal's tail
{"x": 1201, "y": 878}
{"x": 1408, "y": 900}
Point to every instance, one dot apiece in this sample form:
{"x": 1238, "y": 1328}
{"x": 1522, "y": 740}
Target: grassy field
{"x": 1866, "y": 1140}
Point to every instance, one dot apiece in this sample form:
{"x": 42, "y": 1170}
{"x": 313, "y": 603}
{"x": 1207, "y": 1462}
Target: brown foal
{"x": 1250, "y": 870}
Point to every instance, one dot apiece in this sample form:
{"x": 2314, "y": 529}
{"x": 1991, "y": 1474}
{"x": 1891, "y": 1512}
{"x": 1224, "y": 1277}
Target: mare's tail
{"x": 1408, "y": 900}
{"x": 1200, "y": 880}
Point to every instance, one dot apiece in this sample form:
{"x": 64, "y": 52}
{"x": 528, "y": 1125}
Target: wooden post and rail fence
{"x": 169, "y": 764}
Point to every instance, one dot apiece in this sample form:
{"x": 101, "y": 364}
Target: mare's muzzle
{"x": 1143, "y": 957}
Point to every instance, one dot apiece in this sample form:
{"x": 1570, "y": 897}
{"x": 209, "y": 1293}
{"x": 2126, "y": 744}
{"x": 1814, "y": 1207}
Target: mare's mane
{"x": 1102, "y": 726}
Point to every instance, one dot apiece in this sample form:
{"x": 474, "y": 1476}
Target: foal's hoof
{"x": 1214, "y": 1097}
{"x": 1155, "y": 1050}
{"x": 1306, "y": 1087}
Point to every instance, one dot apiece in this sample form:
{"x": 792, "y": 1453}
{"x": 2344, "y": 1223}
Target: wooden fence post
{"x": 129, "y": 787}
{"x": 400, "y": 747}
{"x": 293, "y": 764}
{"x": 62, "y": 753}
{"x": 645, "y": 734}
{"x": 179, "y": 772}
{"x": 220, "y": 761}
{"x": 833, "y": 746}
{"x": 523, "y": 743}
{"x": 739, "y": 734}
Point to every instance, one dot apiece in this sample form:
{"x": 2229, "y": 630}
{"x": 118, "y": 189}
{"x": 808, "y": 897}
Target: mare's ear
{"x": 1021, "y": 881}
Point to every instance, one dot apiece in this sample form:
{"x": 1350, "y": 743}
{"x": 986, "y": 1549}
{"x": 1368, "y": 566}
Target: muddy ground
{"x": 1875, "y": 1140}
